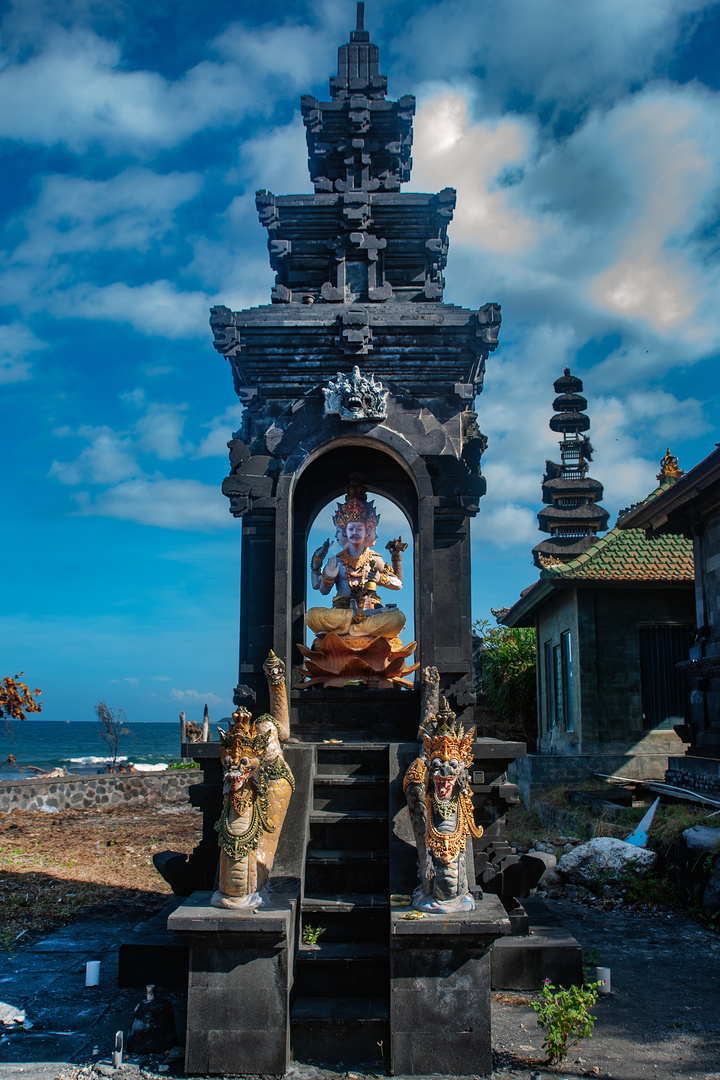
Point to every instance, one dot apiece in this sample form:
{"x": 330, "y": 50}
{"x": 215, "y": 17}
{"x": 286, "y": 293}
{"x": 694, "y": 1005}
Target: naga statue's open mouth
{"x": 444, "y": 786}
{"x": 236, "y": 778}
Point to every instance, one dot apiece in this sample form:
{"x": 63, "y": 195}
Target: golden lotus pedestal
{"x": 337, "y": 660}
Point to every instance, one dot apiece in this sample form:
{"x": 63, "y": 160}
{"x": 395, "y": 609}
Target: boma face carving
{"x": 446, "y": 768}
{"x": 239, "y": 762}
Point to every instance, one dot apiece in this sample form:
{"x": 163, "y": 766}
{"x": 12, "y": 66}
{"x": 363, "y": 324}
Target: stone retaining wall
{"x": 92, "y": 792}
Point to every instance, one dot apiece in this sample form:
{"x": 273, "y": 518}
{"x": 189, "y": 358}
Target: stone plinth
{"x": 440, "y": 990}
{"x": 238, "y": 986}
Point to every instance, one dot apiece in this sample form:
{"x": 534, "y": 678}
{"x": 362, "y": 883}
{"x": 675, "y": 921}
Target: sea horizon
{"x": 78, "y": 747}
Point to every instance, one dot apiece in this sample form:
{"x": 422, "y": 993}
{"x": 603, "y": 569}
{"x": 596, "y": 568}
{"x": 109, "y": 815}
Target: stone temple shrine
{"x": 357, "y": 822}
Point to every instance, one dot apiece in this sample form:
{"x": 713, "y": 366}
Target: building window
{"x": 566, "y": 663}
{"x": 549, "y": 713}
{"x": 558, "y": 715}
{"x": 561, "y": 711}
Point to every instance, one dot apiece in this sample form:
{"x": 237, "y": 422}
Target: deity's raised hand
{"x": 319, "y": 555}
{"x": 331, "y": 567}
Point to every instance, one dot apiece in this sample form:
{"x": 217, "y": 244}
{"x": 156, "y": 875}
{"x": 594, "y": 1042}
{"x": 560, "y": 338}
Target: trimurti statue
{"x": 357, "y": 638}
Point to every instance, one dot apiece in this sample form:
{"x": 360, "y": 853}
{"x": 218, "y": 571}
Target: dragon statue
{"x": 257, "y": 784}
{"x": 441, "y": 811}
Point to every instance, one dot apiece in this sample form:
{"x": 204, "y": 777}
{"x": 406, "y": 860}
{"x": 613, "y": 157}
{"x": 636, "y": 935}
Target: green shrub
{"x": 565, "y": 1017}
{"x": 508, "y": 676}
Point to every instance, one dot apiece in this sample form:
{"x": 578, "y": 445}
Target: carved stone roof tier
{"x": 283, "y": 351}
{"x": 357, "y": 245}
{"x": 359, "y": 139}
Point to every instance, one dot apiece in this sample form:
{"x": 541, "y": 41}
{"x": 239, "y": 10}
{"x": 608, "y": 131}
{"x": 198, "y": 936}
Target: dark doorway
{"x": 662, "y": 648}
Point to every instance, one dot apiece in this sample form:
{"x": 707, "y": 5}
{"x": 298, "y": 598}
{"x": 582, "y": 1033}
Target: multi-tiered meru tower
{"x": 356, "y": 367}
{"x": 572, "y": 514}
{"x": 358, "y": 380}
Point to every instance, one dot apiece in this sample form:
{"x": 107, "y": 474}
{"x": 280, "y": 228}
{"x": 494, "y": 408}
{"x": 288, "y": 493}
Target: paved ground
{"x": 662, "y": 1021}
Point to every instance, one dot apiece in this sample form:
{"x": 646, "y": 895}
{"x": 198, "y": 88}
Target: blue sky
{"x": 584, "y": 142}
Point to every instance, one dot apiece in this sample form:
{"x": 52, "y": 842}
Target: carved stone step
{"x": 317, "y": 975}
{"x": 351, "y": 950}
{"x": 336, "y": 830}
{"x": 339, "y": 793}
{"x": 346, "y": 902}
{"x": 351, "y": 780}
{"x": 334, "y": 1008}
{"x": 344, "y": 856}
{"x": 333, "y": 1029}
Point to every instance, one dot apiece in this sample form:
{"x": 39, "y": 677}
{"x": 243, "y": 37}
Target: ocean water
{"x": 78, "y": 746}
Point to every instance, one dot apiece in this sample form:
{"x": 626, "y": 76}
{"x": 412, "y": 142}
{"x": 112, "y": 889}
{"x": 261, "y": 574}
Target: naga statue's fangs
{"x": 441, "y": 810}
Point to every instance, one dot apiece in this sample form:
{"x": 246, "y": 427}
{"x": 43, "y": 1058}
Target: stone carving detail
{"x": 355, "y": 397}
{"x": 257, "y": 785}
{"x": 356, "y": 334}
{"x": 441, "y": 811}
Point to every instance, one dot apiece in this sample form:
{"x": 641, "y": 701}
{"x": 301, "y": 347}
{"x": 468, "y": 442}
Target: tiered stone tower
{"x": 572, "y": 515}
{"x": 357, "y": 376}
{"x": 356, "y": 367}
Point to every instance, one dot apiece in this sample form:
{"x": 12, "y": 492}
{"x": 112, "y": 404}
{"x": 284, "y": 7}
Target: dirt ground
{"x": 56, "y": 867}
{"x": 662, "y": 1020}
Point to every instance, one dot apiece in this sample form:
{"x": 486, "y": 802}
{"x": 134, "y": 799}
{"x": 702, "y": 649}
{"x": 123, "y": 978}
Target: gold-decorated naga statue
{"x": 357, "y": 639}
{"x": 257, "y": 784}
{"x": 441, "y": 810}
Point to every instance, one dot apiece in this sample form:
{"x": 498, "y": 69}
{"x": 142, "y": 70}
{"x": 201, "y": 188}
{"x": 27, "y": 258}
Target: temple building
{"x": 611, "y": 624}
{"x": 572, "y": 514}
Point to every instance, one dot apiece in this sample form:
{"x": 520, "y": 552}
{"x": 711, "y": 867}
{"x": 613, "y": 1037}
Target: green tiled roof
{"x": 627, "y": 555}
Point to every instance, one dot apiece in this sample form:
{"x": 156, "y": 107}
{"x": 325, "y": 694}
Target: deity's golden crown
{"x": 245, "y": 732}
{"x": 356, "y": 510}
{"x": 448, "y": 738}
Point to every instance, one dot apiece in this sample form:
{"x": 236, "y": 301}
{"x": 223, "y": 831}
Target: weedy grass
{"x": 310, "y": 934}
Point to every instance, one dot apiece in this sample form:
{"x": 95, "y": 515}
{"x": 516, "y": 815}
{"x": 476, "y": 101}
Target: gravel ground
{"x": 662, "y": 1021}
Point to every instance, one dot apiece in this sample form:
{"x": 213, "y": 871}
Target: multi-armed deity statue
{"x": 358, "y": 637}
{"x": 440, "y": 803}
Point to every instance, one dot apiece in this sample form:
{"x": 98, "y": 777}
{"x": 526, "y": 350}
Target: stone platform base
{"x": 547, "y": 952}
{"x": 538, "y": 772}
{"x": 699, "y": 774}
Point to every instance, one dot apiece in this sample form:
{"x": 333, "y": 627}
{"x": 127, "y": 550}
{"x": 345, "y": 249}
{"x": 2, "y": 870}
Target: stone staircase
{"x": 340, "y": 1007}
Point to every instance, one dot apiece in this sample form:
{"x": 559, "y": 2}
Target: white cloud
{"x": 558, "y": 52}
{"x": 197, "y": 697}
{"x": 76, "y": 215}
{"x": 166, "y": 503}
{"x": 16, "y": 343}
{"x": 507, "y": 526}
{"x": 78, "y": 90}
{"x": 221, "y": 428}
{"x": 108, "y": 459}
{"x": 158, "y": 308}
{"x": 451, "y": 151}
{"x": 160, "y": 429}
